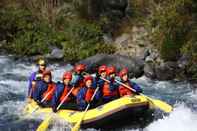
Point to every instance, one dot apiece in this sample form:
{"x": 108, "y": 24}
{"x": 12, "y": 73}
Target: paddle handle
{"x": 46, "y": 96}
{"x": 89, "y": 103}
{"x": 119, "y": 83}
{"x": 65, "y": 98}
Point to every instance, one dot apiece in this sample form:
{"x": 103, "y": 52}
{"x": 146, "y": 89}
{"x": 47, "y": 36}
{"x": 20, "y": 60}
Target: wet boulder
{"x": 166, "y": 71}
{"x": 149, "y": 70}
{"x": 56, "y": 53}
{"x": 134, "y": 65}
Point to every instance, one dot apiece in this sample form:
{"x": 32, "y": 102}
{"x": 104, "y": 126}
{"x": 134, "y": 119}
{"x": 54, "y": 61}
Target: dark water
{"x": 13, "y": 88}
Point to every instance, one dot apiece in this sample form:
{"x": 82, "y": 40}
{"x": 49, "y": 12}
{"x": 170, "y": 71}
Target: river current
{"x": 13, "y": 91}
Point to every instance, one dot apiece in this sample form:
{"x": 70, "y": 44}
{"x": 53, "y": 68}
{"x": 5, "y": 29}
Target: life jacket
{"x": 78, "y": 86}
{"x": 107, "y": 92}
{"x": 50, "y": 90}
{"x": 125, "y": 91}
{"x": 89, "y": 94}
{"x": 64, "y": 93}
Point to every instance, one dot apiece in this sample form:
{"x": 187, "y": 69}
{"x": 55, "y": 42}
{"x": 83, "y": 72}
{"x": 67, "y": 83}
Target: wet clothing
{"x": 77, "y": 82}
{"x": 98, "y": 82}
{"x": 125, "y": 91}
{"x": 35, "y": 76}
{"x": 60, "y": 92}
{"x": 110, "y": 90}
{"x": 84, "y": 97}
{"x": 43, "y": 90}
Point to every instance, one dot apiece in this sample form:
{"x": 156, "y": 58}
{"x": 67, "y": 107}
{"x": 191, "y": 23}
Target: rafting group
{"x": 77, "y": 87}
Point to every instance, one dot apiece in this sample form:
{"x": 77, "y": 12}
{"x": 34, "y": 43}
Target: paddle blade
{"x": 44, "y": 125}
{"x": 160, "y": 104}
{"x": 76, "y": 126}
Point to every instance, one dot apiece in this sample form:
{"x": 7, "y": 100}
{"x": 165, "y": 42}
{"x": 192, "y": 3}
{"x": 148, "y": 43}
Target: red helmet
{"x": 46, "y": 72}
{"x": 102, "y": 69}
{"x": 67, "y": 75}
{"x": 111, "y": 70}
{"x": 123, "y": 72}
{"x": 88, "y": 77}
{"x": 80, "y": 68}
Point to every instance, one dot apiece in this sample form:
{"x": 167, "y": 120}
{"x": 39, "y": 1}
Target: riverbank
{"x": 72, "y": 31}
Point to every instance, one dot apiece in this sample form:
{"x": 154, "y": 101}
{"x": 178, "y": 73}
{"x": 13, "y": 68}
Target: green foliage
{"x": 25, "y": 34}
{"x": 13, "y": 21}
{"x": 84, "y": 39}
{"x": 169, "y": 49}
{"x": 169, "y": 22}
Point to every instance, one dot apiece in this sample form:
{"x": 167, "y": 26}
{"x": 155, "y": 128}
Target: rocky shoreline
{"x": 137, "y": 66}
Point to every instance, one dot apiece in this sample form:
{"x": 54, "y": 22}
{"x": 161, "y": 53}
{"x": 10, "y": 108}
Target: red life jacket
{"x": 89, "y": 94}
{"x": 125, "y": 91}
{"x": 106, "y": 90}
{"x": 79, "y": 86}
{"x": 64, "y": 93}
{"x": 50, "y": 90}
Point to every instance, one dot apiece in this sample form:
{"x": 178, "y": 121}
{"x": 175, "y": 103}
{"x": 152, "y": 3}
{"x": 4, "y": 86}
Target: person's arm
{"x": 41, "y": 88}
{"x": 136, "y": 87}
{"x": 56, "y": 96}
{"x": 81, "y": 99}
{"x": 31, "y": 83}
{"x": 97, "y": 95}
{"x": 75, "y": 80}
{"x": 113, "y": 85}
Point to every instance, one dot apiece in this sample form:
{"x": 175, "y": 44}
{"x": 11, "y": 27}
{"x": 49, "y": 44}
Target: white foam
{"x": 181, "y": 119}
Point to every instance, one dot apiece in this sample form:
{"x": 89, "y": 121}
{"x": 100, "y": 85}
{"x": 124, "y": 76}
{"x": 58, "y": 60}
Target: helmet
{"x": 123, "y": 72}
{"x": 102, "y": 69}
{"x": 88, "y": 77}
{"x": 80, "y": 68}
{"x": 41, "y": 62}
{"x": 47, "y": 72}
{"x": 67, "y": 75}
{"x": 111, "y": 70}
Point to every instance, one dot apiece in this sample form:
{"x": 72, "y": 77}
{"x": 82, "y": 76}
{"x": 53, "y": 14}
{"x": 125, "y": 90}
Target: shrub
{"x": 84, "y": 39}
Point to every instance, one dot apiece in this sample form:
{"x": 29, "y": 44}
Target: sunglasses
{"x": 42, "y": 65}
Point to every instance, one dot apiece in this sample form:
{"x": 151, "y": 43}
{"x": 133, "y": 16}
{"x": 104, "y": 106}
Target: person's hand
{"x": 33, "y": 83}
{"x": 38, "y": 76}
{"x": 29, "y": 100}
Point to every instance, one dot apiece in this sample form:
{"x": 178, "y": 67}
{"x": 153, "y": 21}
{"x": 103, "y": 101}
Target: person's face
{"x": 47, "y": 78}
{"x": 88, "y": 83}
{"x": 42, "y": 67}
{"x": 103, "y": 74}
{"x": 66, "y": 81}
{"x": 125, "y": 77}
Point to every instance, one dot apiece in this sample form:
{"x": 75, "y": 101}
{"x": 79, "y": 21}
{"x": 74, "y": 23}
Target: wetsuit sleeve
{"x": 56, "y": 96}
{"x": 113, "y": 85}
{"x": 100, "y": 83}
{"x": 97, "y": 95}
{"x": 31, "y": 78}
{"x": 75, "y": 80}
{"x": 136, "y": 87}
{"x": 81, "y": 99}
{"x": 36, "y": 96}
{"x": 95, "y": 83}
{"x": 41, "y": 87}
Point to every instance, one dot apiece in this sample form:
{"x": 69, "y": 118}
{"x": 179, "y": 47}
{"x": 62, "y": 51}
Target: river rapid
{"x": 13, "y": 91}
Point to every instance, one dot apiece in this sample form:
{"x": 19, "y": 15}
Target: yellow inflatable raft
{"x": 115, "y": 110}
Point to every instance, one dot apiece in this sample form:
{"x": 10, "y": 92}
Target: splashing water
{"x": 13, "y": 91}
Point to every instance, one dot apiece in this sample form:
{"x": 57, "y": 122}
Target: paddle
{"x": 43, "y": 99}
{"x": 155, "y": 102}
{"x": 45, "y": 123}
{"x": 77, "y": 125}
